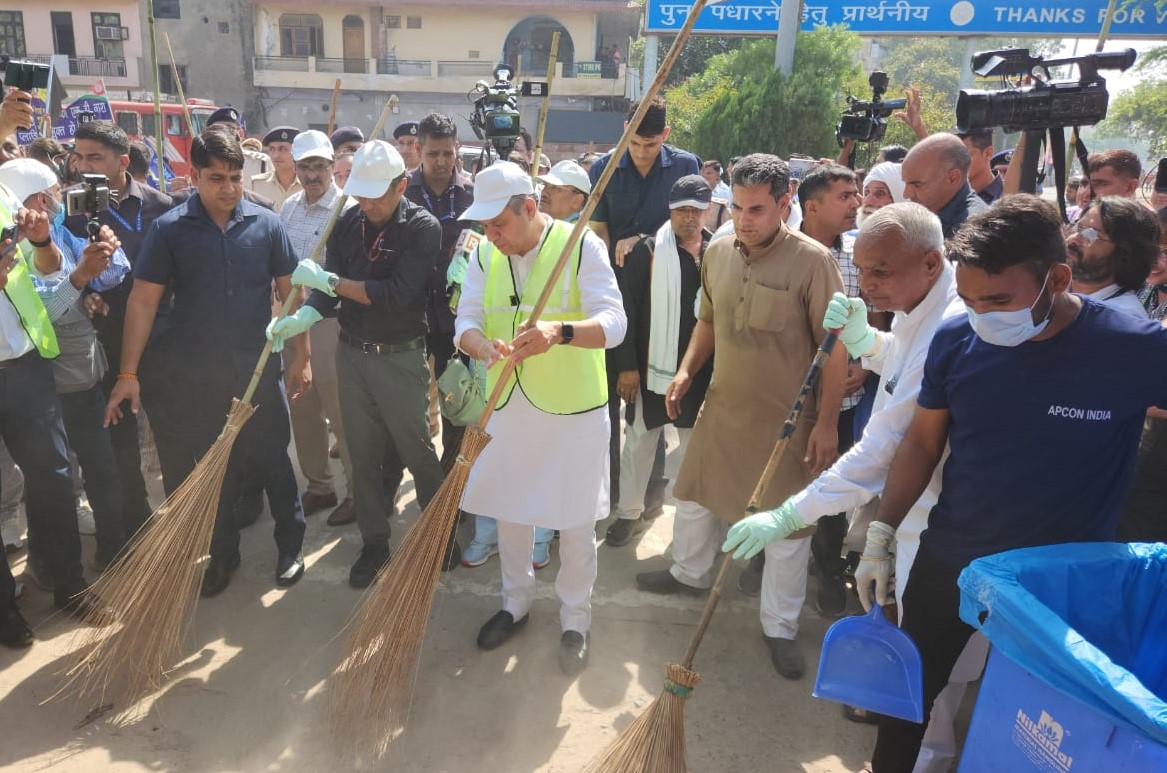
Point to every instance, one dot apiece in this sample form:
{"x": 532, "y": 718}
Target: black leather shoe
{"x": 75, "y": 600}
{"x": 573, "y": 652}
{"x": 368, "y": 563}
{"x": 289, "y": 569}
{"x": 14, "y": 631}
{"x": 247, "y": 509}
{"x": 786, "y": 657}
{"x": 622, "y": 530}
{"x": 831, "y": 600}
{"x": 495, "y": 632}
{"x": 663, "y": 582}
{"x": 218, "y": 575}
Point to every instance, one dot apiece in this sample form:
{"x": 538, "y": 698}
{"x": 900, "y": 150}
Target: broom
{"x": 373, "y": 684}
{"x": 149, "y": 594}
{"x": 655, "y": 741}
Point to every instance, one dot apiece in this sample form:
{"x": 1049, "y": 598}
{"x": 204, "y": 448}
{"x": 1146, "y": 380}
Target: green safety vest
{"x": 29, "y": 306}
{"x": 564, "y": 379}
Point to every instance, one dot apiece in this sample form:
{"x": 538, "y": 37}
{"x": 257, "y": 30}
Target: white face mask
{"x": 1009, "y": 328}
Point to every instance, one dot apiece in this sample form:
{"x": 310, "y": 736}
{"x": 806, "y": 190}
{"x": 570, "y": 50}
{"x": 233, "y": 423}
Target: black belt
{"x": 30, "y": 355}
{"x": 371, "y": 347}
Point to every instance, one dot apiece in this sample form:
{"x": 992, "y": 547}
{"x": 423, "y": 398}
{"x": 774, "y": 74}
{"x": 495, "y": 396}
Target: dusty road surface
{"x": 252, "y": 696}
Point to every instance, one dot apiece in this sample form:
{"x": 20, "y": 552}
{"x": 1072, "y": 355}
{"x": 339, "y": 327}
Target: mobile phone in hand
{"x": 12, "y": 233}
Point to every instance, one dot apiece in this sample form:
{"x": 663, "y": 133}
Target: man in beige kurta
{"x": 764, "y": 294}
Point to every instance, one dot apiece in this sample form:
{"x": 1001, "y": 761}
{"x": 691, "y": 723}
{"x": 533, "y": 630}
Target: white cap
{"x": 311, "y": 144}
{"x": 375, "y": 165}
{"x": 494, "y": 187}
{"x": 890, "y": 175}
{"x": 570, "y": 174}
{"x": 26, "y": 176}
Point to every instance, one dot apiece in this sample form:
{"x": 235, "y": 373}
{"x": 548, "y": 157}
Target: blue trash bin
{"x": 1077, "y": 680}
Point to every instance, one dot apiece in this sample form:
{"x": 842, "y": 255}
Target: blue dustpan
{"x": 871, "y": 664}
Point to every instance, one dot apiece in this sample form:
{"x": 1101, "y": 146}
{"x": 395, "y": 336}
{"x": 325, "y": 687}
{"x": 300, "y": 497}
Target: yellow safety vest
{"x": 29, "y": 306}
{"x": 564, "y": 379}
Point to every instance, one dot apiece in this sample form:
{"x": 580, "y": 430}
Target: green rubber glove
{"x": 311, "y": 274}
{"x": 851, "y": 315}
{"x": 280, "y": 330}
{"x": 751, "y": 535}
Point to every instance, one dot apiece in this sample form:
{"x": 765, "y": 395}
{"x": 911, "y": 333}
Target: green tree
{"x": 740, "y": 104}
{"x": 1141, "y": 112}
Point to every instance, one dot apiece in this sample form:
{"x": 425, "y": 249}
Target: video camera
{"x": 89, "y": 200}
{"x": 25, "y": 76}
{"x": 496, "y": 114}
{"x": 867, "y": 121}
{"x": 1046, "y": 104}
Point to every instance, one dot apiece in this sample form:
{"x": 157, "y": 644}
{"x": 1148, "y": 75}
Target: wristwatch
{"x": 567, "y": 333}
{"x": 333, "y": 282}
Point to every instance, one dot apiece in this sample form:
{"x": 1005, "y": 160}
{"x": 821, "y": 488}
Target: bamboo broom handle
{"x": 812, "y": 375}
{"x": 544, "y": 108}
{"x": 190, "y": 127}
{"x": 316, "y": 253}
{"x": 332, "y": 113}
{"x": 597, "y": 192}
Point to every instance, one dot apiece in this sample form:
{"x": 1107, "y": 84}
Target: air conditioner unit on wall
{"x": 108, "y": 33}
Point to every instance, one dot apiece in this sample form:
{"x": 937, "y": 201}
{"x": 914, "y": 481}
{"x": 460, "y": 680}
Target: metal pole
{"x": 789, "y": 20}
{"x": 160, "y": 150}
{"x": 651, "y": 54}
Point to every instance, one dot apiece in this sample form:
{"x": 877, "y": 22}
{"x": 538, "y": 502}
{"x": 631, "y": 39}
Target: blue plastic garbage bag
{"x": 1088, "y": 619}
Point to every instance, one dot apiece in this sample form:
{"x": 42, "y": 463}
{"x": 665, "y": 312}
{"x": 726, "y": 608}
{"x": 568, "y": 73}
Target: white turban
{"x": 889, "y": 174}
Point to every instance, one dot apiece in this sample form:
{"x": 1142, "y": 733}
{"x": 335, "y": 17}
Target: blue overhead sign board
{"x": 1034, "y": 18}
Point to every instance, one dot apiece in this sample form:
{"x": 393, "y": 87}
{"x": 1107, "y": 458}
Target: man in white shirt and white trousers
{"x": 900, "y": 255}
{"x": 546, "y": 464}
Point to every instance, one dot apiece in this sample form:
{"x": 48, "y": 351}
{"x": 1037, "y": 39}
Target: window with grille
{"x": 166, "y": 79}
{"x": 107, "y": 36}
{"x": 413, "y": 22}
{"x": 12, "y": 33}
{"x": 393, "y": 22}
{"x": 301, "y": 35}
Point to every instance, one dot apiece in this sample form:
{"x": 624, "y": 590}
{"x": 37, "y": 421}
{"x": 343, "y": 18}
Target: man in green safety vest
{"x": 545, "y": 465}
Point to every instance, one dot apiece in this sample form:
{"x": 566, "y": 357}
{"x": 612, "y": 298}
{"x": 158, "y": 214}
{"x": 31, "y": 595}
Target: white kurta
{"x": 542, "y": 469}
{"x": 860, "y": 474}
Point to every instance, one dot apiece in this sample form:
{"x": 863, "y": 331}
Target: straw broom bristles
{"x": 368, "y": 701}
{"x": 655, "y": 741}
{"x": 147, "y": 596}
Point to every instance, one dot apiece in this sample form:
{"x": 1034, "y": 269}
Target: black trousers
{"x": 260, "y": 452}
{"x": 827, "y": 543}
{"x": 123, "y": 436}
{"x": 83, "y": 414}
{"x": 31, "y": 426}
{"x": 931, "y": 617}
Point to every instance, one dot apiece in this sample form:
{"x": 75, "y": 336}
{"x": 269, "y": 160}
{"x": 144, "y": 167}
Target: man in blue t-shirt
{"x": 1040, "y": 396}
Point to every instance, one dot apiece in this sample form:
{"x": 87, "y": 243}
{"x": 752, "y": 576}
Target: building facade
{"x": 431, "y": 55}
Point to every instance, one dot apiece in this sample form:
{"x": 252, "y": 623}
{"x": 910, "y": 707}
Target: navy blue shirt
{"x": 221, "y": 280}
{"x": 1042, "y": 436}
{"x": 632, "y": 204}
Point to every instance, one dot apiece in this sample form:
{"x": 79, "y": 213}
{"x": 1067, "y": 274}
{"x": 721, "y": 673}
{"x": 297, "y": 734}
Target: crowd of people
{"x": 988, "y": 392}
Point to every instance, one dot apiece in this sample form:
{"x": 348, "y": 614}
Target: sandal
{"x": 862, "y": 716}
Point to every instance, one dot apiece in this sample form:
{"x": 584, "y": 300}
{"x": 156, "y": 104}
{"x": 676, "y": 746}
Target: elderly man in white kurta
{"x": 547, "y": 462}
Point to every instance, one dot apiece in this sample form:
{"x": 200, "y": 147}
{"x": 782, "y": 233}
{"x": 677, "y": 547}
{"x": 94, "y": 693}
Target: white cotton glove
{"x": 850, "y": 314}
{"x": 875, "y": 565}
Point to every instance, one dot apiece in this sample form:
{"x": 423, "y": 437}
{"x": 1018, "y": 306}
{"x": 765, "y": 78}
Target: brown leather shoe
{"x": 314, "y": 502}
{"x": 343, "y": 514}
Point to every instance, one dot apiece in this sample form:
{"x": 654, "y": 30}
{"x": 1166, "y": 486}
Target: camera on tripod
{"x": 1046, "y": 104}
{"x": 496, "y": 114}
{"x": 867, "y": 121}
{"x": 89, "y": 200}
